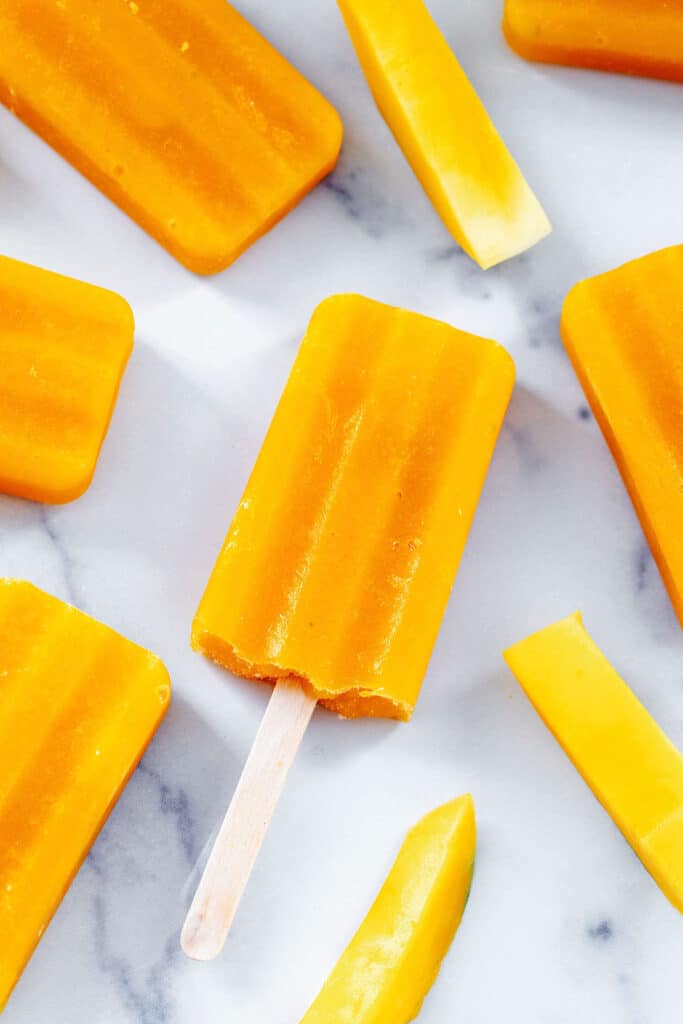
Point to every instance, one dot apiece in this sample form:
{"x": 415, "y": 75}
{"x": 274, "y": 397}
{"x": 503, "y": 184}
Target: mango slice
{"x": 178, "y": 110}
{"x": 443, "y": 129}
{"x": 64, "y": 346}
{"x": 635, "y": 37}
{"x": 630, "y": 764}
{"x": 391, "y": 963}
{"x": 622, "y": 331}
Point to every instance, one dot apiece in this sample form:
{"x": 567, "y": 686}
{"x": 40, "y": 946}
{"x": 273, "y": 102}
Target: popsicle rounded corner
{"x": 575, "y": 619}
{"x": 516, "y": 33}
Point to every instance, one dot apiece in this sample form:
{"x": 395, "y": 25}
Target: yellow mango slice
{"x": 392, "y": 961}
{"x": 78, "y": 705}
{"x": 443, "y": 129}
{"x": 622, "y": 331}
{"x": 64, "y": 346}
{"x": 630, "y": 764}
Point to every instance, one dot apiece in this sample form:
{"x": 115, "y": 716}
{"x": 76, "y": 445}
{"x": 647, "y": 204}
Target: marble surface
{"x": 563, "y": 925}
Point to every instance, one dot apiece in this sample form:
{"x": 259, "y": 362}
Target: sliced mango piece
{"x": 443, "y": 129}
{"x": 392, "y": 961}
{"x": 622, "y": 331}
{"x": 630, "y": 764}
{"x": 64, "y": 346}
{"x": 635, "y": 37}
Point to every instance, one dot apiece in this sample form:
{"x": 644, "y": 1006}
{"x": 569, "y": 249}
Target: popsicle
{"x": 78, "y": 705}
{"x": 393, "y": 960}
{"x": 178, "y": 110}
{"x": 444, "y": 130}
{"x": 335, "y": 573}
{"x": 623, "y": 333}
{"x": 630, "y": 764}
{"x": 636, "y": 37}
{"x": 63, "y": 348}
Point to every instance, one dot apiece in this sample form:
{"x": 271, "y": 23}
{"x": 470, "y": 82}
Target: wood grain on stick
{"x": 246, "y": 822}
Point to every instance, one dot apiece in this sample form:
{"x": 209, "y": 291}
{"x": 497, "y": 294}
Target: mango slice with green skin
{"x": 444, "y": 130}
{"x": 392, "y": 961}
{"x": 630, "y": 764}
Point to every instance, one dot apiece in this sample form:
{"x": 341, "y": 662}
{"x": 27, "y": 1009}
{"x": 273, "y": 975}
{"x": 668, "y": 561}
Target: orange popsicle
{"x": 63, "y": 348}
{"x": 178, "y": 110}
{"x": 623, "y": 332}
{"x": 636, "y": 37}
{"x": 335, "y": 573}
{"x": 343, "y": 550}
{"x": 78, "y": 706}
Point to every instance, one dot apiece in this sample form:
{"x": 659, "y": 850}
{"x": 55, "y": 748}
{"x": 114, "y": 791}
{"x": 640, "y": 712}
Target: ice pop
{"x": 63, "y": 348}
{"x": 336, "y": 570}
{"x": 636, "y": 37}
{"x": 630, "y": 764}
{"x": 393, "y": 960}
{"x": 178, "y": 110}
{"x": 78, "y": 706}
{"x": 443, "y": 129}
{"x": 623, "y": 332}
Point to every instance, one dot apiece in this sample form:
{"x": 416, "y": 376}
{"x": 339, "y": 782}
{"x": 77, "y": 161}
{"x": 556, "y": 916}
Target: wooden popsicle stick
{"x": 246, "y": 822}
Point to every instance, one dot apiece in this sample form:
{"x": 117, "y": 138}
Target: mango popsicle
{"x": 630, "y": 764}
{"x": 335, "y": 573}
{"x": 63, "y": 348}
{"x": 343, "y": 550}
{"x": 78, "y": 705}
{"x": 636, "y": 37}
{"x": 178, "y": 110}
{"x": 392, "y": 961}
{"x": 622, "y": 331}
{"x": 444, "y": 130}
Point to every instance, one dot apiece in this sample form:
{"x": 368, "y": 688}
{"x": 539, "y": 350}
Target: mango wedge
{"x": 635, "y": 37}
{"x": 78, "y": 705}
{"x": 622, "y": 331}
{"x": 64, "y": 346}
{"x": 178, "y": 110}
{"x": 630, "y": 764}
{"x": 391, "y": 963}
{"x": 443, "y": 129}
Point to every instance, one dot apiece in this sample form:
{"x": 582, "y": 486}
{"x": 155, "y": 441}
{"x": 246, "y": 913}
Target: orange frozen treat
{"x": 78, "y": 706}
{"x": 624, "y": 334}
{"x": 344, "y": 548}
{"x": 63, "y": 348}
{"x": 178, "y": 110}
{"x": 636, "y": 37}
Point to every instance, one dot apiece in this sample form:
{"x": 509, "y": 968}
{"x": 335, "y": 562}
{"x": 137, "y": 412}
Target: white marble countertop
{"x": 563, "y": 925}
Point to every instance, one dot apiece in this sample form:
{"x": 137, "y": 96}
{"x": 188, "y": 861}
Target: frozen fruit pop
{"x": 63, "y": 348}
{"x": 337, "y": 568}
{"x": 623, "y": 332}
{"x": 391, "y": 963}
{"x": 636, "y": 37}
{"x": 78, "y": 705}
{"x": 632, "y": 767}
{"x": 443, "y": 129}
{"x": 178, "y": 110}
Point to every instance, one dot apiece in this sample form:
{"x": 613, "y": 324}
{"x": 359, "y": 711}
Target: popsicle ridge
{"x": 64, "y": 346}
{"x": 341, "y": 556}
{"x": 180, "y": 112}
{"x": 78, "y": 706}
{"x": 633, "y": 379}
